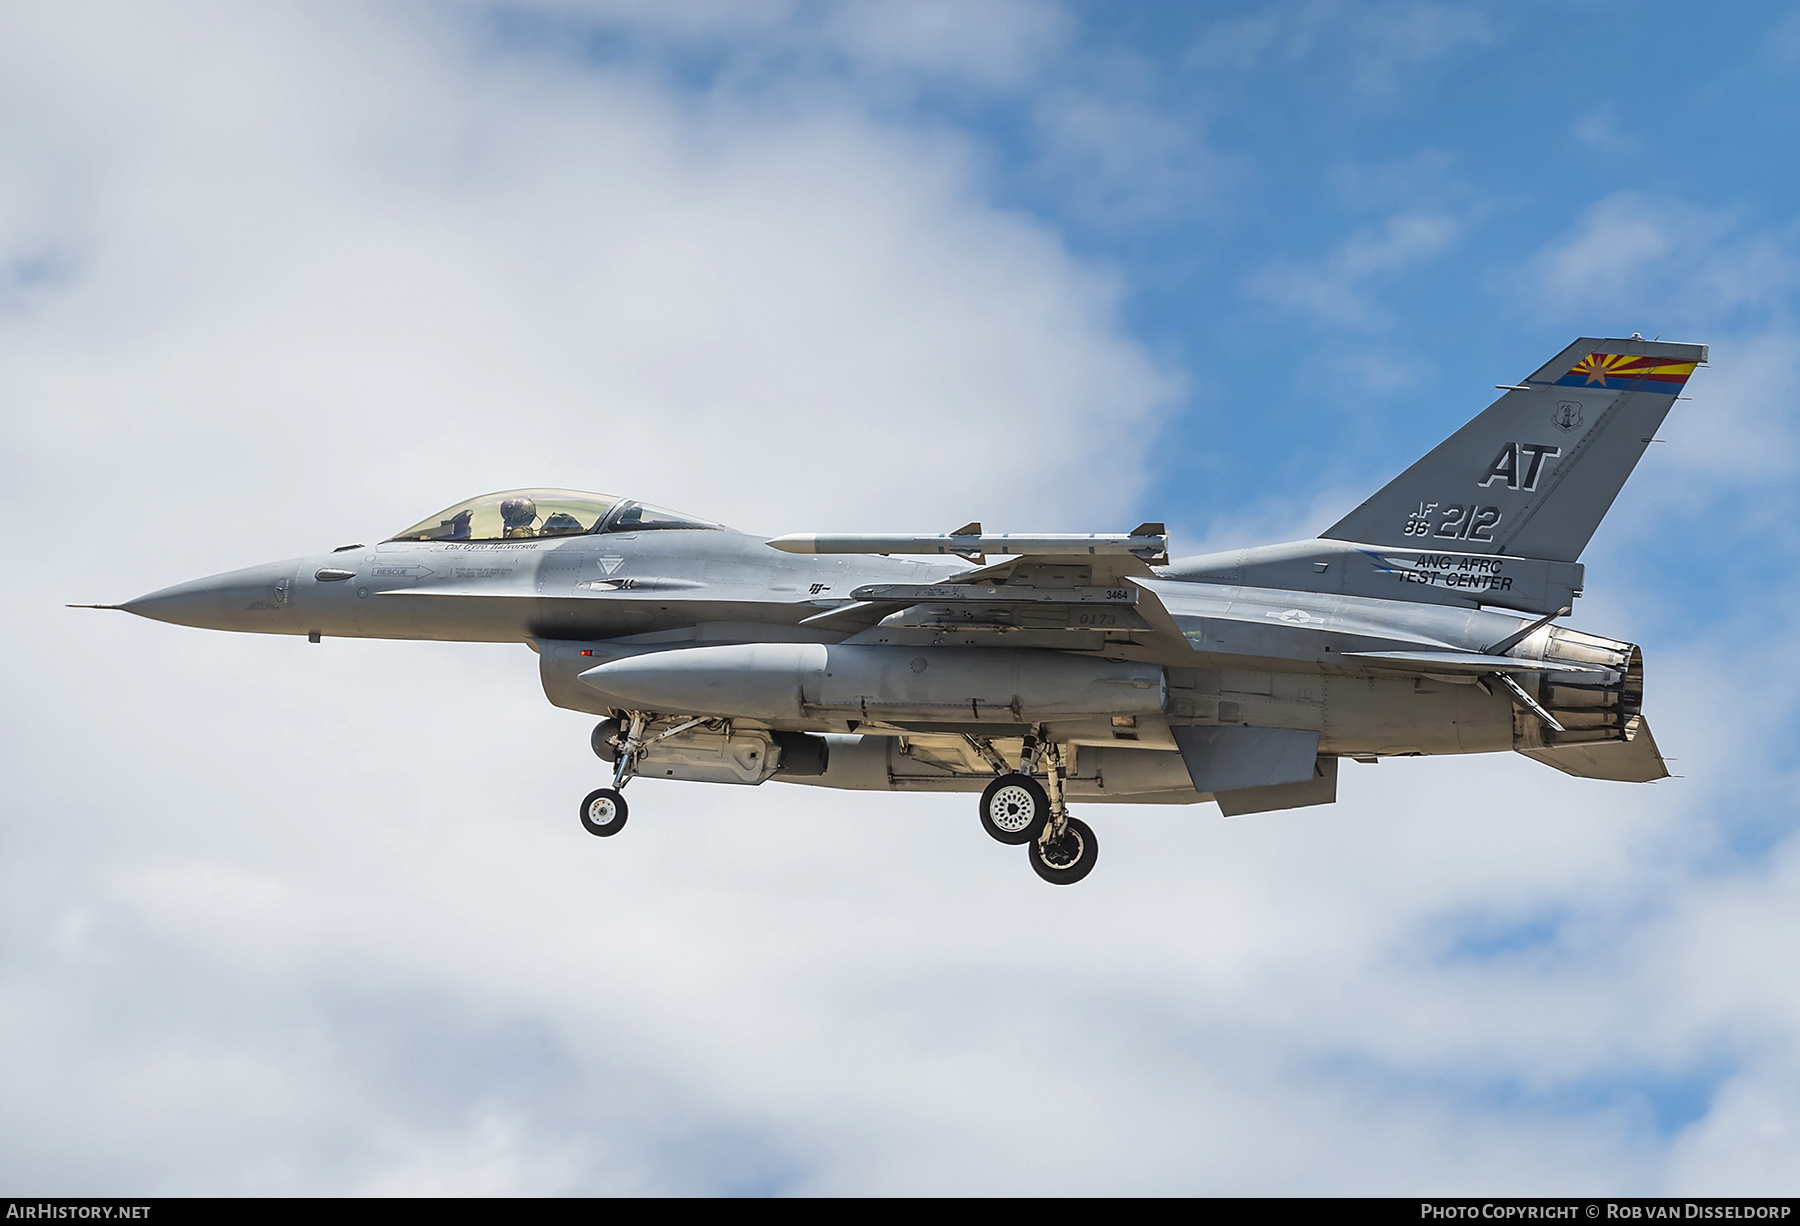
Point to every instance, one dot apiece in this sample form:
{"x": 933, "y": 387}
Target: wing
{"x": 1073, "y": 593}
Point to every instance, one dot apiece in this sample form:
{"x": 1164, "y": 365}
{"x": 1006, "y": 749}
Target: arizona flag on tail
{"x": 1621, "y": 372}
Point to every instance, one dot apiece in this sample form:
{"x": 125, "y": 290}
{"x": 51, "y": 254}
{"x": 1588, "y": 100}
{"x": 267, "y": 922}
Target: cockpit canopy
{"x": 512, "y": 515}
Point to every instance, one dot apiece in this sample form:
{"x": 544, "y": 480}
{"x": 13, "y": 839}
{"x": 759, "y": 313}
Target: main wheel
{"x": 1014, "y": 809}
{"x": 1068, "y": 858}
{"x": 603, "y": 812}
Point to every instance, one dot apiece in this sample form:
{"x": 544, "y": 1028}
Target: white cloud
{"x": 323, "y": 271}
{"x": 1781, "y": 45}
{"x": 1424, "y": 178}
{"x": 1374, "y": 44}
{"x": 1600, "y": 130}
{"x": 1337, "y": 287}
{"x": 1739, "y": 428}
{"x": 453, "y": 265}
{"x": 996, "y": 43}
{"x": 1656, "y": 263}
{"x": 1121, "y": 162}
{"x": 283, "y": 918}
{"x": 1622, "y": 245}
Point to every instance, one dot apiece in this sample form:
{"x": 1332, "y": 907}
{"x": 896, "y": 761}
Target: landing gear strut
{"x": 1065, "y": 851}
{"x": 624, "y": 744}
{"x": 1017, "y": 809}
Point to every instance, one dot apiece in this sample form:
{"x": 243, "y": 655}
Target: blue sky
{"x": 275, "y": 280}
{"x": 1335, "y": 224}
{"x": 1199, "y": 152}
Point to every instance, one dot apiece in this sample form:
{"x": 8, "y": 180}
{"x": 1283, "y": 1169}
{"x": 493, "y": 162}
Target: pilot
{"x": 517, "y": 515}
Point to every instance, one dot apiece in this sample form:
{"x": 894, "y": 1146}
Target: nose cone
{"x": 257, "y": 598}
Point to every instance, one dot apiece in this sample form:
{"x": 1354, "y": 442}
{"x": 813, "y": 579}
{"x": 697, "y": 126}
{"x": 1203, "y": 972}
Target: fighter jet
{"x": 1040, "y": 671}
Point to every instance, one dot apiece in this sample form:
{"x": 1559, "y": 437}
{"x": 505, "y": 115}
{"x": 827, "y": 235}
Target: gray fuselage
{"x": 1247, "y": 656}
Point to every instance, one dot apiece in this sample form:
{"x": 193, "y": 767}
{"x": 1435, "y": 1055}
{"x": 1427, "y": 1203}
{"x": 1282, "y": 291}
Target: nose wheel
{"x": 603, "y": 812}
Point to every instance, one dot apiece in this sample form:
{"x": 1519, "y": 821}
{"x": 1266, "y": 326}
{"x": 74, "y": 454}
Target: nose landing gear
{"x": 624, "y": 744}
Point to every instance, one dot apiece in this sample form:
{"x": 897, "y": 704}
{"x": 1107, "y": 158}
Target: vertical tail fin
{"x": 1535, "y": 472}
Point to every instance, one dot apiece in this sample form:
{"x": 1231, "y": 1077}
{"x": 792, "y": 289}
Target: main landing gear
{"x": 1065, "y": 858}
{"x": 623, "y": 743}
{"x": 1016, "y": 809}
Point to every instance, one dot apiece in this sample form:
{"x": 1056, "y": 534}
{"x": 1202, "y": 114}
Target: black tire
{"x": 1014, "y": 809}
{"x": 604, "y": 732}
{"x": 1069, "y": 858}
{"x": 603, "y": 812}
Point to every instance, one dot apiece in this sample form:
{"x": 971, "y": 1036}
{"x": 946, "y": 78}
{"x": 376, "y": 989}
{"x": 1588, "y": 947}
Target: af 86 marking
{"x": 1453, "y": 521}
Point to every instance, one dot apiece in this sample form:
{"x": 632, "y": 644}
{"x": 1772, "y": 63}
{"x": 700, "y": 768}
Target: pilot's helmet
{"x": 518, "y": 513}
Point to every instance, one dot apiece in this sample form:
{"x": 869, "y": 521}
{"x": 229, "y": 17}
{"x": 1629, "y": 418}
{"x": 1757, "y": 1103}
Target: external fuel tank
{"x": 787, "y": 683}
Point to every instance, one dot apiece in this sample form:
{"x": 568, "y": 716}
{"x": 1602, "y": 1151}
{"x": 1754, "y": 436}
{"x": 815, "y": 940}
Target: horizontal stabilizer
{"x": 1635, "y": 761}
{"x": 1321, "y": 789}
{"x": 1226, "y": 759}
{"x": 1465, "y": 662}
